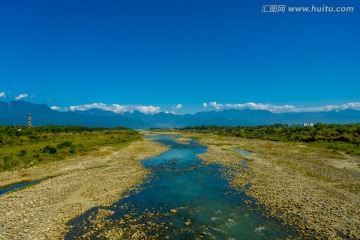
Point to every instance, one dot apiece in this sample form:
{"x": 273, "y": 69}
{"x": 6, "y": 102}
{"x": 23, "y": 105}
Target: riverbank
{"x": 73, "y": 186}
{"x": 316, "y": 190}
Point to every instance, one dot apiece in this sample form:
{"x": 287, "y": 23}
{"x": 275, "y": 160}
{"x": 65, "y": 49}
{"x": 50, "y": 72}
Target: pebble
{"x": 173, "y": 211}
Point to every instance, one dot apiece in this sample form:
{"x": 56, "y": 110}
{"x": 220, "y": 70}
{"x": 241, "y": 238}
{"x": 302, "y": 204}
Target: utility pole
{"x": 29, "y": 120}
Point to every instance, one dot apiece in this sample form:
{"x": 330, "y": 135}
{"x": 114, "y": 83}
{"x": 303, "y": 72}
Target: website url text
{"x": 312, "y": 9}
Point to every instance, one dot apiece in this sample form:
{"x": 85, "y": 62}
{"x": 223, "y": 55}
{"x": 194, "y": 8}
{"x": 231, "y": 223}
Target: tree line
{"x": 345, "y": 137}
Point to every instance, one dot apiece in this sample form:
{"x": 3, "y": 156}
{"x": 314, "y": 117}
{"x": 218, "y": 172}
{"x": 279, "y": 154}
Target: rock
{"x": 202, "y": 234}
{"x": 187, "y": 223}
{"x": 173, "y": 211}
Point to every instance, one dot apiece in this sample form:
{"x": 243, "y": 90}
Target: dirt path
{"x": 41, "y": 211}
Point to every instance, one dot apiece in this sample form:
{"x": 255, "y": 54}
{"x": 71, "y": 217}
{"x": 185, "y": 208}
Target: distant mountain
{"x": 96, "y": 112}
{"x": 15, "y": 113}
{"x": 233, "y": 118}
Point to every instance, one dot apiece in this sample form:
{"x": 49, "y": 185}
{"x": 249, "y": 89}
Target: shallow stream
{"x": 184, "y": 198}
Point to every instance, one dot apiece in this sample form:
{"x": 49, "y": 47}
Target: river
{"x": 183, "y": 198}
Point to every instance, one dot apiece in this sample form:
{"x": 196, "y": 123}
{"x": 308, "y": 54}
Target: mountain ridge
{"x": 15, "y": 113}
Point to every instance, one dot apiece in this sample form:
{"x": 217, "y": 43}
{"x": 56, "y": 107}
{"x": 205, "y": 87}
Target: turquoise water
{"x": 200, "y": 195}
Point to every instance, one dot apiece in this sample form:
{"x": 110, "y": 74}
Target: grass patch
{"x": 25, "y": 147}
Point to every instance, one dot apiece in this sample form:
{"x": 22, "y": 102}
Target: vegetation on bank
{"x": 23, "y": 147}
{"x": 332, "y": 136}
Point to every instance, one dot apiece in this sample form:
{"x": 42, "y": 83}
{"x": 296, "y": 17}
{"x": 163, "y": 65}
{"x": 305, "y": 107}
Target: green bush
{"x": 22, "y": 153}
{"x": 64, "y": 144}
{"x": 72, "y": 150}
{"x": 49, "y": 149}
{"x": 9, "y": 162}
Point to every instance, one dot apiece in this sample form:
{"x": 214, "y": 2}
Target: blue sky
{"x": 165, "y": 53}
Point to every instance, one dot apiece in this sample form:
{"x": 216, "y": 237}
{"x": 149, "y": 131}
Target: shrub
{"x": 9, "y": 162}
{"x": 22, "y": 152}
{"x": 64, "y": 144}
{"x": 49, "y": 149}
{"x": 72, "y": 150}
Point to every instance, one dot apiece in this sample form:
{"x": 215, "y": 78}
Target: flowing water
{"x": 182, "y": 199}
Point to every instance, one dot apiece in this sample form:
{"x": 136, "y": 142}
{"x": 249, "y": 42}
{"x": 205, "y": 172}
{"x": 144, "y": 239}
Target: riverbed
{"x": 182, "y": 198}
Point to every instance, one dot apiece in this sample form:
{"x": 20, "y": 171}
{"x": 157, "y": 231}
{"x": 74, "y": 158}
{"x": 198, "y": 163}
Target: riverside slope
{"x": 73, "y": 186}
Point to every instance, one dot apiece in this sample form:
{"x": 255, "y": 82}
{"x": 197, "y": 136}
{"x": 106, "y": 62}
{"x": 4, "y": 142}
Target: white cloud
{"x": 216, "y": 105}
{"x": 21, "y": 96}
{"x": 2, "y": 95}
{"x": 56, "y": 108}
{"x": 284, "y": 108}
{"x": 148, "y": 109}
{"x": 260, "y": 106}
{"x": 204, "y": 104}
{"x": 59, "y": 109}
{"x": 116, "y": 108}
{"x": 327, "y": 108}
{"x": 177, "y": 106}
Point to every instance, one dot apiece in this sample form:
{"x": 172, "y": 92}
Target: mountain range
{"x": 15, "y": 113}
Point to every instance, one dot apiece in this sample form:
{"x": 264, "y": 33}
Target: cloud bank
{"x": 284, "y": 108}
{"x": 119, "y": 109}
{"x": 116, "y": 108}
